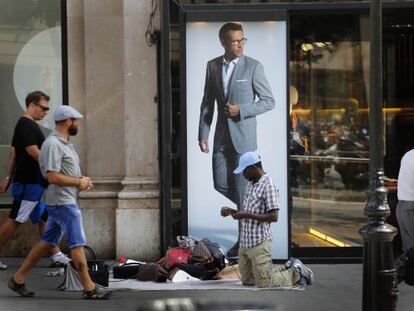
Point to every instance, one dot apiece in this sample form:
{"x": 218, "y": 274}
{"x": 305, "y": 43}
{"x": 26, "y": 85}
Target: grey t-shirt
{"x": 59, "y": 155}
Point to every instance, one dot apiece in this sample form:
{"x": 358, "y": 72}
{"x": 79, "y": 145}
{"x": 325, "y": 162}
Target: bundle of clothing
{"x": 192, "y": 259}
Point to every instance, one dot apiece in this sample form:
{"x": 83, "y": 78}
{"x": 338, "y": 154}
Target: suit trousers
{"x": 232, "y": 186}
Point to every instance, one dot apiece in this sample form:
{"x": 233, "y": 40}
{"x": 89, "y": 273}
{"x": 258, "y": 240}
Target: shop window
{"x": 329, "y": 149}
{"x": 30, "y": 59}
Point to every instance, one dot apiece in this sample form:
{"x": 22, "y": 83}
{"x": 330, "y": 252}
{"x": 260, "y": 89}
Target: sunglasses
{"x": 42, "y": 107}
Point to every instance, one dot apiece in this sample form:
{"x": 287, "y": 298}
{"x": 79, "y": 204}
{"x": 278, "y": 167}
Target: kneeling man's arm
{"x": 271, "y": 216}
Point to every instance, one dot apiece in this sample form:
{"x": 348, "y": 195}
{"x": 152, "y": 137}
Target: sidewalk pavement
{"x": 336, "y": 287}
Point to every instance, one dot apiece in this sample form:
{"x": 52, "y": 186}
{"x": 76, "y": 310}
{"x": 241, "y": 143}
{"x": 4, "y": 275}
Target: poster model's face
{"x": 234, "y": 44}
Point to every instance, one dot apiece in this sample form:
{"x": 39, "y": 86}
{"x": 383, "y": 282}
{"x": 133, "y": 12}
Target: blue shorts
{"x": 64, "y": 220}
{"x": 26, "y": 203}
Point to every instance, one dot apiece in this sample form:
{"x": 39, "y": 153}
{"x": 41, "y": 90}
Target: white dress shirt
{"x": 228, "y": 68}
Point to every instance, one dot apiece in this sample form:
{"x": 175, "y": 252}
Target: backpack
{"x": 176, "y": 255}
{"x": 209, "y": 255}
{"x": 216, "y": 253}
{"x": 98, "y": 271}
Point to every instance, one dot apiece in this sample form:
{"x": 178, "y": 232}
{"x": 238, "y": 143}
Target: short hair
{"x": 35, "y": 97}
{"x": 258, "y": 165}
{"x": 226, "y": 28}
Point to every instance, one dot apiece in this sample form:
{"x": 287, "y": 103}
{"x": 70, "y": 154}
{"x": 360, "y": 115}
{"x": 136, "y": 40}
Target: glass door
{"x": 398, "y": 53}
{"x": 329, "y": 149}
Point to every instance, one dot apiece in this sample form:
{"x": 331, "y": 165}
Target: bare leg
{"x": 7, "y": 229}
{"x": 79, "y": 259}
{"x": 42, "y": 227}
{"x": 40, "y": 250}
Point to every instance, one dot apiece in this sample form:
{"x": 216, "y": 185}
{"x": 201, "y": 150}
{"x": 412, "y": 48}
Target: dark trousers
{"x": 230, "y": 185}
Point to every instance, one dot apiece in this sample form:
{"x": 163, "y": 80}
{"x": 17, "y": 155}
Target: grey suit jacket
{"x": 248, "y": 82}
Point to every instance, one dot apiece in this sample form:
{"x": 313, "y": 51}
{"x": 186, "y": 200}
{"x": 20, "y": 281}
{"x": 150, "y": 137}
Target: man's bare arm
{"x": 271, "y": 216}
{"x": 5, "y": 183}
{"x": 83, "y": 182}
{"x": 33, "y": 151}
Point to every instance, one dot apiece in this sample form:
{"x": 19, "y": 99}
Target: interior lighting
{"x": 328, "y": 238}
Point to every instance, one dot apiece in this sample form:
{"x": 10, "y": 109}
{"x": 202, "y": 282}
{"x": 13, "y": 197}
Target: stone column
{"x": 119, "y": 147}
{"x": 137, "y": 216}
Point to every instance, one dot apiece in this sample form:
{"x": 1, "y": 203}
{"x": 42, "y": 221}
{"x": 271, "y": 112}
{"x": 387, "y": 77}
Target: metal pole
{"x": 380, "y": 285}
{"x": 164, "y": 81}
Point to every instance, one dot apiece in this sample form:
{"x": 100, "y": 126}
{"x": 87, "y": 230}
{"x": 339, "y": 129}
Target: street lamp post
{"x": 380, "y": 285}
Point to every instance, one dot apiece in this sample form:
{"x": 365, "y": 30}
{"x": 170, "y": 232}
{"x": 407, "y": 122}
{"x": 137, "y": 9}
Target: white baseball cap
{"x": 65, "y": 112}
{"x": 247, "y": 159}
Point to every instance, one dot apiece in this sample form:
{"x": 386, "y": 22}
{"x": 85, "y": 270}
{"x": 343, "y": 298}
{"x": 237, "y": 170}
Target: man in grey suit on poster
{"x": 238, "y": 85}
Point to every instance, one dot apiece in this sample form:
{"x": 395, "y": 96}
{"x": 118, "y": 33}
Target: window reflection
{"x": 30, "y": 59}
{"x": 398, "y": 58}
{"x": 329, "y": 147}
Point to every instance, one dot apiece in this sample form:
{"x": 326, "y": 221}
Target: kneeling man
{"x": 260, "y": 208}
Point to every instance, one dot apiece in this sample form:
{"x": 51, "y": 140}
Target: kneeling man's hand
{"x": 227, "y": 211}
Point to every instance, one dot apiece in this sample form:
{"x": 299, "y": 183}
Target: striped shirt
{"x": 259, "y": 198}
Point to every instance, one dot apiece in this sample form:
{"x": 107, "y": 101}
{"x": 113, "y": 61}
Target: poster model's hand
{"x": 203, "y": 143}
{"x": 231, "y": 110}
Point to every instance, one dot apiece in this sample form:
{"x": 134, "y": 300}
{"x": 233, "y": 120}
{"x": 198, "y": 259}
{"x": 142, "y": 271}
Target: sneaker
{"x": 19, "y": 288}
{"x": 288, "y": 263}
{"x": 304, "y": 271}
{"x": 302, "y": 280}
{"x": 59, "y": 260}
{"x": 3, "y": 266}
{"x": 99, "y": 292}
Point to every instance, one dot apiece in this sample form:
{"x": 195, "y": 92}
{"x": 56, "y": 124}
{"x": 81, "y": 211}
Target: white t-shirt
{"x": 405, "y": 190}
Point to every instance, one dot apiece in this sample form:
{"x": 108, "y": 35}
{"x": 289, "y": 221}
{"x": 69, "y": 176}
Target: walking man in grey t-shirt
{"x": 59, "y": 163}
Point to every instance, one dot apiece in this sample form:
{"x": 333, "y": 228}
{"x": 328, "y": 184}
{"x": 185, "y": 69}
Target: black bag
{"x": 99, "y": 272}
{"x": 126, "y": 271}
{"x": 216, "y": 253}
{"x": 197, "y": 271}
{"x": 98, "y": 269}
{"x": 200, "y": 255}
{"x": 409, "y": 267}
{"x": 209, "y": 255}
{"x": 152, "y": 272}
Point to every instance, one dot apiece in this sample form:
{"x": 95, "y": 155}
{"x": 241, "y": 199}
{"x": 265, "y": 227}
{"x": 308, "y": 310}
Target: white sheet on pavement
{"x": 133, "y": 284}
